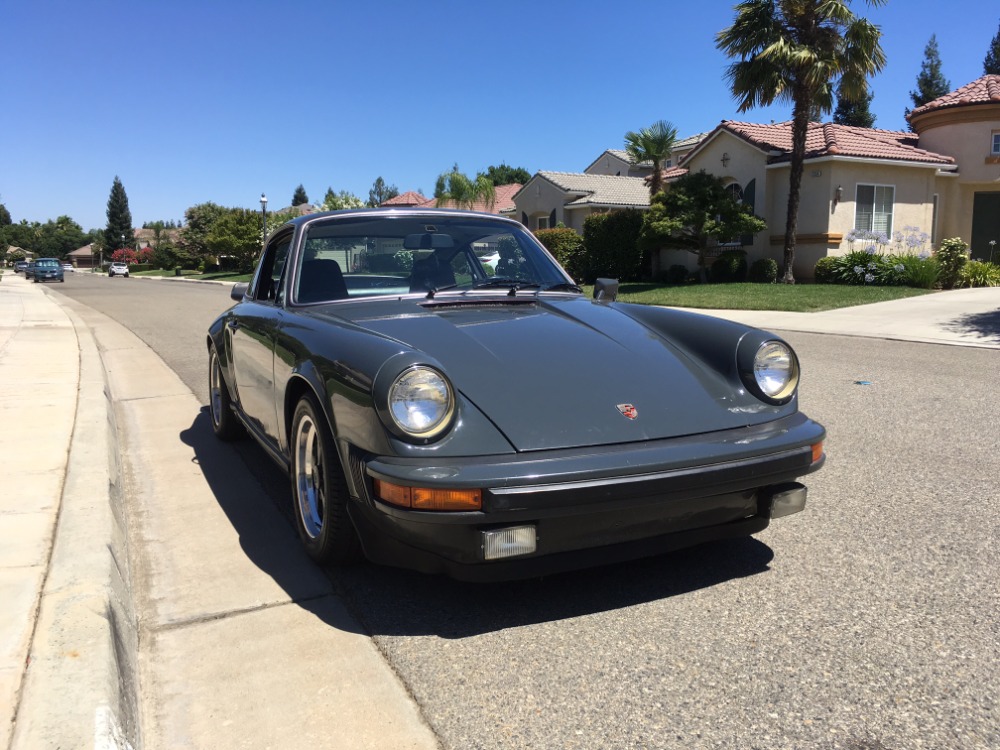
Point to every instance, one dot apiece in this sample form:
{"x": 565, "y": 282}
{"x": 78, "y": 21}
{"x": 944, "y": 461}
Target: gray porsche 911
{"x": 445, "y": 398}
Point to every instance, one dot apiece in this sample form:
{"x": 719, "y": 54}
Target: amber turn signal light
{"x": 817, "y": 451}
{"x": 425, "y": 498}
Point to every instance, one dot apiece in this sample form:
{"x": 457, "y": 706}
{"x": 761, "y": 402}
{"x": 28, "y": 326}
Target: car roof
{"x": 408, "y": 213}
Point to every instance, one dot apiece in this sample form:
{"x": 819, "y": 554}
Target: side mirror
{"x": 605, "y": 290}
{"x": 239, "y": 291}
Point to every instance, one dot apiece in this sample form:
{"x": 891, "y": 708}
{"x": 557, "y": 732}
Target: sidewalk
{"x": 64, "y": 571}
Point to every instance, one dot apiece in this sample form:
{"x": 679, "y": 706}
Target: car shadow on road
{"x": 255, "y": 497}
{"x": 985, "y": 324}
{"x": 399, "y": 602}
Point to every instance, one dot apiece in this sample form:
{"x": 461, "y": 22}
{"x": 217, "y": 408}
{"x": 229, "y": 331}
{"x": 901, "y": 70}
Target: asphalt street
{"x": 867, "y": 622}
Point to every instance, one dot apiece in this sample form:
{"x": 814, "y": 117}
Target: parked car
{"x": 20, "y": 265}
{"x": 68, "y": 267}
{"x": 437, "y": 417}
{"x": 47, "y": 269}
{"x": 29, "y": 269}
{"x": 118, "y": 269}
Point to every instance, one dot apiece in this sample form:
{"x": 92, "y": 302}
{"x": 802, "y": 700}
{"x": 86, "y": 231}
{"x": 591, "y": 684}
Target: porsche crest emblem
{"x": 628, "y": 411}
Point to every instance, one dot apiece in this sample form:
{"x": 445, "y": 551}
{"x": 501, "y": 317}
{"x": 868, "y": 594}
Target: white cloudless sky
{"x": 215, "y": 100}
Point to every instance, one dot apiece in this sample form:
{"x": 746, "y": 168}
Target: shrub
{"x": 676, "y": 275}
{"x": 399, "y": 262}
{"x": 765, "y": 271}
{"x": 730, "y": 267}
{"x": 566, "y": 247}
{"x": 824, "y": 271}
{"x": 951, "y": 256}
{"x": 611, "y": 246}
{"x": 918, "y": 271}
{"x": 978, "y": 273}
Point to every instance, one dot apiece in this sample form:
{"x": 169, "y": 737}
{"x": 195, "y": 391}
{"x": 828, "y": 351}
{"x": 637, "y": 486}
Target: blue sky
{"x": 216, "y": 100}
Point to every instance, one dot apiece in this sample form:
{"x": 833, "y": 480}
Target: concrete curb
{"x": 84, "y": 650}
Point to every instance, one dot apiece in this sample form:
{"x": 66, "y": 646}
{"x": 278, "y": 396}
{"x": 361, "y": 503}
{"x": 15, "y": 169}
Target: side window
{"x": 267, "y": 280}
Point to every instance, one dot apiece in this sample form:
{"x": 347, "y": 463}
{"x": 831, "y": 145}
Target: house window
{"x": 543, "y": 222}
{"x": 995, "y": 150}
{"x": 735, "y": 191}
{"x": 873, "y": 208}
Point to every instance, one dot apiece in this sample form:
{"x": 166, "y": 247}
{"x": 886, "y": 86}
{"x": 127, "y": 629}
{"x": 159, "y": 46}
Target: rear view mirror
{"x": 239, "y": 291}
{"x": 428, "y": 241}
{"x": 606, "y": 290}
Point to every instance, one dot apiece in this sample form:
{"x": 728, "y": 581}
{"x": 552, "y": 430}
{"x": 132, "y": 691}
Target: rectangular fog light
{"x": 510, "y": 542}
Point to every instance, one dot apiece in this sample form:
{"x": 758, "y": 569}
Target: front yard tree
{"x": 506, "y": 175}
{"x": 695, "y": 213}
{"x": 991, "y": 63}
{"x": 335, "y": 201}
{"x": 795, "y": 51}
{"x": 235, "y": 238}
{"x": 380, "y": 193}
{"x": 300, "y": 197}
{"x": 931, "y": 83}
{"x": 5, "y": 216}
{"x": 198, "y": 222}
{"x": 458, "y": 188}
{"x": 652, "y": 144}
{"x": 119, "y": 219}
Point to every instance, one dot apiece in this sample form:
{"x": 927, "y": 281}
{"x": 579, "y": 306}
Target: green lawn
{"x": 785, "y": 297}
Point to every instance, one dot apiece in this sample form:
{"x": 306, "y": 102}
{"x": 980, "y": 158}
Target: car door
{"x": 251, "y": 331}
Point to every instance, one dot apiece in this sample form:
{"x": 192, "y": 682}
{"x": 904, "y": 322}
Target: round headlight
{"x": 776, "y": 370}
{"x": 421, "y": 402}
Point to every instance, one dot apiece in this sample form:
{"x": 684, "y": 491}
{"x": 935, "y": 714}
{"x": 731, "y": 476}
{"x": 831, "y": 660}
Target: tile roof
{"x": 601, "y": 189}
{"x": 409, "y": 198}
{"x": 830, "y": 139}
{"x": 684, "y": 143}
{"x": 503, "y": 201}
{"x": 985, "y": 90}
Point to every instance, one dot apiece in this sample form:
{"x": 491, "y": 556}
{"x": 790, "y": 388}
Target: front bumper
{"x": 590, "y": 506}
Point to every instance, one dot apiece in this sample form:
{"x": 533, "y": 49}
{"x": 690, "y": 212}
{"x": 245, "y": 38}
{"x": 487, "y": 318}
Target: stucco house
{"x": 503, "y": 203}
{"x": 943, "y": 179}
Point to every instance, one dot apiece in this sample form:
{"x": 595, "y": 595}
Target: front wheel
{"x": 225, "y": 423}
{"x": 319, "y": 490}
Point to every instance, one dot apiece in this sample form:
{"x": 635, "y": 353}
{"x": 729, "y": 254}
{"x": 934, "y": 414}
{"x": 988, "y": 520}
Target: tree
{"x": 300, "y": 197}
{"x": 198, "y": 222}
{"x": 119, "y": 219}
{"x": 857, "y": 113}
{"x": 697, "y": 212}
{"x": 380, "y": 193}
{"x": 793, "y": 51}
{"x": 506, "y": 175}
{"x": 341, "y": 200}
{"x": 931, "y": 84}
{"x": 455, "y": 187}
{"x": 56, "y": 239}
{"x": 991, "y": 63}
{"x": 652, "y": 144}
{"x": 5, "y": 219}
{"x": 236, "y": 237}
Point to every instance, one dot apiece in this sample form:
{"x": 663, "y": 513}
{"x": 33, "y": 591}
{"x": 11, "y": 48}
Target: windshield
{"x": 382, "y": 255}
{"x": 46, "y": 263}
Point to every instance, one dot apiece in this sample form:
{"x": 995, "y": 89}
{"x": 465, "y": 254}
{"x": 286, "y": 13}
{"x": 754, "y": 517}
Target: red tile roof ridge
{"x": 983, "y": 90}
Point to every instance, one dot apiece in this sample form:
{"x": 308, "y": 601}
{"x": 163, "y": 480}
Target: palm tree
{"x": 458, "y": 188}
{"x": 652, "y": 144}
{"x": 794, "y": 51}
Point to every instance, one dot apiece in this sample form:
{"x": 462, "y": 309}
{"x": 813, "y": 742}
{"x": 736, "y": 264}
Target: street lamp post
{"x": 263, "y": 211}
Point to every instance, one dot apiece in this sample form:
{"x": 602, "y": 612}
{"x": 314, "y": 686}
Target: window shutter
{"x": 749, "y": 199}
{"x": 524, "y": 218}
{"x": 552, "y": 219}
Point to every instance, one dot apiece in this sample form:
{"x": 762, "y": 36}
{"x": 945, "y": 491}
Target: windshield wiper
{"x": 435, "y": 289}
{"x": 514, "y": 284}
{"x": 562, "y": 286}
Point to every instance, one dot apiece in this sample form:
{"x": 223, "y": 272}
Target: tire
{"x": 225, "y": 424}
{"x": 319, "y": 491}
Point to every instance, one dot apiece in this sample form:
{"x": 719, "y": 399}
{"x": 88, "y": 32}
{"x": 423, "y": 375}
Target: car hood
{"x": 563, "y": 372}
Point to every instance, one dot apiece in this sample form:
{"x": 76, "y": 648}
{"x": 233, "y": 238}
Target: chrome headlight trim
{"x": 421, "y": 403}
{"x": 775, "y": 371}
